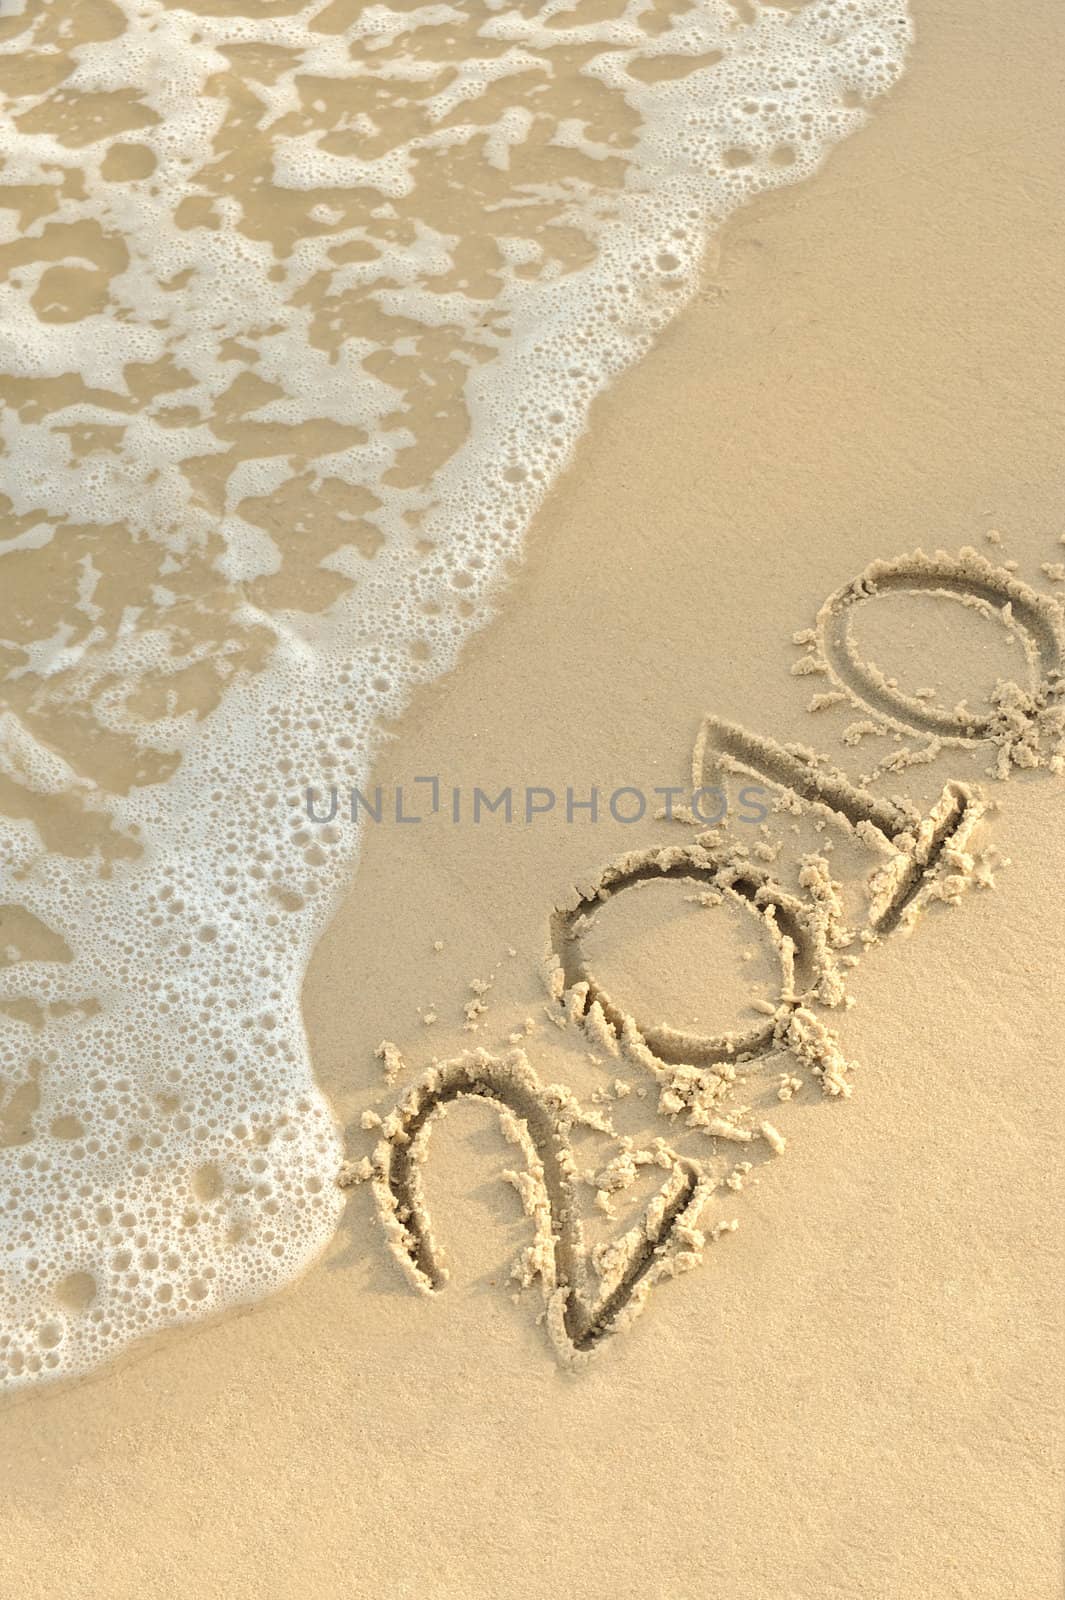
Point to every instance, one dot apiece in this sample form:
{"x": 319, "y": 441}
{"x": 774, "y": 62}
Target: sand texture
{"x": 703, "y": 1169}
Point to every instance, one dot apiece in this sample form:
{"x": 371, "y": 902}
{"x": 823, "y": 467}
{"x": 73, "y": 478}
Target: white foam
{"x": 179, "y": 1156}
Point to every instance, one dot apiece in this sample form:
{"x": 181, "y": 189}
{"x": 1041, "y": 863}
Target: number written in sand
{"x": 920, "y": 858}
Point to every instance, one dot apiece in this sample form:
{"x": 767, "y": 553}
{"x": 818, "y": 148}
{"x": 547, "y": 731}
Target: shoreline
{"x": 839, "y": 328}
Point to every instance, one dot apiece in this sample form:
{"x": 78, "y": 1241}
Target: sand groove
{"x": 726, "y": 747}
{"x": 912, "y": 848}
{"x": 797, "y": 934}
{"x": 537, "y": 1119}
{"x": 1026, "y": 722}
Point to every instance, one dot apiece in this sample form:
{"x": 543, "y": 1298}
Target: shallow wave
{"x": 304, "y": 313}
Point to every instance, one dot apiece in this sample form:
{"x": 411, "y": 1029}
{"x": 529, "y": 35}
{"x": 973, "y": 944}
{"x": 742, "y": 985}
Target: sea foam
{"x": 305, "y": 311}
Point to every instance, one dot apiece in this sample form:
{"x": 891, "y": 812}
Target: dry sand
{"x": 859, "y": 1392}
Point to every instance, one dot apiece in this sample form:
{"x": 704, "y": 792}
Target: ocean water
{"x": 304, "y": 310}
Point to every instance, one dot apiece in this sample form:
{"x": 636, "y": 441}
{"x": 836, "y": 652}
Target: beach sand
{"x": 857, "y": 1393}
